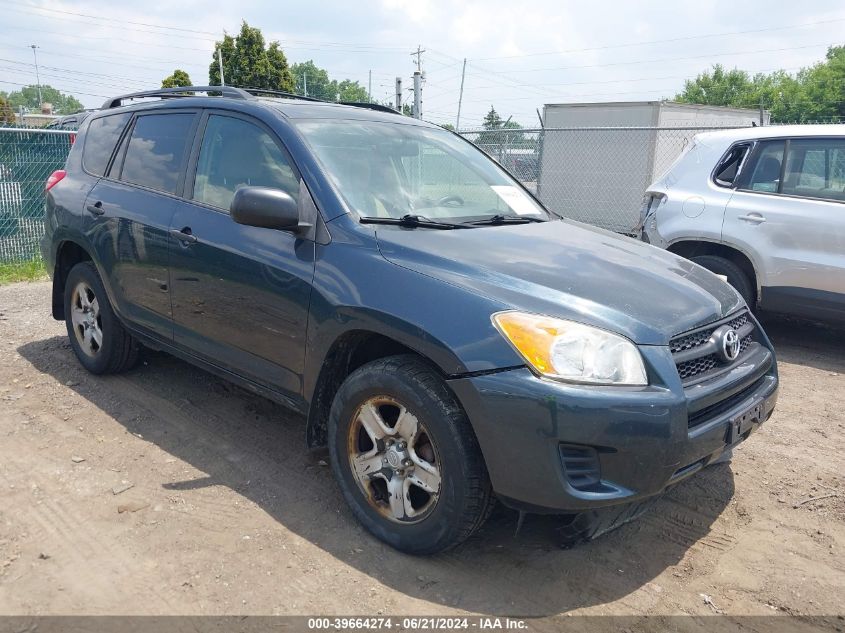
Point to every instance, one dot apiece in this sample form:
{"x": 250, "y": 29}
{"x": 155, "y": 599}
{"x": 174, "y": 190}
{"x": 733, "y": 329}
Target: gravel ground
{"x": 169, "y": 491}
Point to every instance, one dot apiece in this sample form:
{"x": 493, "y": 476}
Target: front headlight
{"x": 571, "y": 351}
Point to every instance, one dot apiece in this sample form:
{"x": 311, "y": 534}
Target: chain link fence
{"x": 594, "y": 175}
{"x": 27, "y": 158}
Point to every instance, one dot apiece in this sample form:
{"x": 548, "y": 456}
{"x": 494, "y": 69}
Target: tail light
{"x": 54, "y": 179}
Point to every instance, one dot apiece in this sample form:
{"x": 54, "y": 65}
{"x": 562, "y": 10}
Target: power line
{"x": 666, "y": 40}
{"x": 665, "y": 59}
{"x": 65, "y": 90}
{"x": 315, "y": 44}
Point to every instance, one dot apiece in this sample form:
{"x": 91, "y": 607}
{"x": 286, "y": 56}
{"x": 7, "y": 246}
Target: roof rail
{"x": 370, "y": 106}
{"x": 181, "y": 91}
{"x": 281, "y": 93}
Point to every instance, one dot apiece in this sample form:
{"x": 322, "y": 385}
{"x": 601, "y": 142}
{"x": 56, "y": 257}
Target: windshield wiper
{"x": 412, "y": 221}
{"x": 506, "y": 219}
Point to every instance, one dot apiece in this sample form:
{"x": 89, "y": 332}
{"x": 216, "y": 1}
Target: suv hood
{"x": 569, "y": 270}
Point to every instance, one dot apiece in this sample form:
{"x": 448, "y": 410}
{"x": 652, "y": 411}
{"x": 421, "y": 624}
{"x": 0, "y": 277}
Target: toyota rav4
{"x": 450, "y": 340}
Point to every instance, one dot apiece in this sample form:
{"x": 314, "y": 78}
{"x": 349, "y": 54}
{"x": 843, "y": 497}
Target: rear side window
{"x": 100, "y": 140}
{"x": 156, "y": 151}
{"x": 765, "y": 176}
{"x": 730, "y": 165}
{"x": 815, "y": 168}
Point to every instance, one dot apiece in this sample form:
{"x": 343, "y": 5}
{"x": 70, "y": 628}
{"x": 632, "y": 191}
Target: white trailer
{"x": 598, "y": 158}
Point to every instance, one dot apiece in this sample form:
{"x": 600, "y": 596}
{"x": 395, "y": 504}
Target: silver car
{"x": 763, "y": 208}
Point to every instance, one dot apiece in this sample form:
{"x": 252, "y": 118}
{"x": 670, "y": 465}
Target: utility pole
{"x": 418, "y": 53}
{"x": 418, "y": 83}
{"x": 37, "y": 77}
{"x": 417, "y": 94}
{"x": 304, "y": 84}
{"x": 761, "y": 113}
{"x": 370, "y": 87}
{"x": 399, "y": 94}
{"x": 461, "y": 96}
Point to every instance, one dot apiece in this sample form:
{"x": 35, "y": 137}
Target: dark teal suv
{"x": 449, "y": 339}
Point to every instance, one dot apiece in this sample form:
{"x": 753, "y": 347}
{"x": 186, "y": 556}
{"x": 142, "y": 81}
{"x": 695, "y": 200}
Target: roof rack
{"x": 181, "y": 91}
{"x": 281, "y": 93}
{"x": 236, "y": 93}
{"x": 369, "y": 106}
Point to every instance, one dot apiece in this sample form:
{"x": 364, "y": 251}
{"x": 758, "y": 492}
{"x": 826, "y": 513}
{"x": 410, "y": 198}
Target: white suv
{"x": 764, "y": 208}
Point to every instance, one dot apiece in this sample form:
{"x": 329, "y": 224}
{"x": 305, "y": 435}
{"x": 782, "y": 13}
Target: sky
{"x": 519, "y": 56}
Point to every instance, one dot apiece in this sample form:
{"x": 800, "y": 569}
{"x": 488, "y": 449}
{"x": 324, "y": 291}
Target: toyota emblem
{"x": 728, "y": 341}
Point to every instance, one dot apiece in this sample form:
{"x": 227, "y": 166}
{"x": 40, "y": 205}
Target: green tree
{"x": 492, "y": 121}
{"x": 814, "y": 93}
{"x": 248, "y": 63}
{"x": 822, "y": 89}
{"x": 178, "y": 79}
{"x": 317, "y": 81}
{"x": 719, "y": 87}
{"x": 499, "y": 137}
{"x": 352, "y": 92}
{"x": 447, "y": 126}
{"x": 28, "y": 98}
{"x": 7, "y": 112}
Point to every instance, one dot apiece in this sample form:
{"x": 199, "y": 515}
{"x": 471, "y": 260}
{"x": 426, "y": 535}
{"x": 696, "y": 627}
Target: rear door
{"x": 240, "y": 293}
{"x": 789, "y": 214}
{"x": 132, "y": 208}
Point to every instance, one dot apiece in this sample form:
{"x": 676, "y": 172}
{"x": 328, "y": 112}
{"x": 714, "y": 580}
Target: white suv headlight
{"x": 570, "y": 351}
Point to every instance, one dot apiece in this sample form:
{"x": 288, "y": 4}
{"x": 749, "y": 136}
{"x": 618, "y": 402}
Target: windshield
{"x": 388, "y": 170}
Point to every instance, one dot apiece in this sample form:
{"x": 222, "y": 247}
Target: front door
{"x": 240, "y": 293}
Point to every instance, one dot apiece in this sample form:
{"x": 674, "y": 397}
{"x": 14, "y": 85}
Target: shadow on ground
{"x": 819, "y": 345}
{"x": 256, "y": 448}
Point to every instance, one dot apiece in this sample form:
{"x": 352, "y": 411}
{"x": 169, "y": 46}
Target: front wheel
{"x": 406, "y": 458}
{"x": 732, "y": 273}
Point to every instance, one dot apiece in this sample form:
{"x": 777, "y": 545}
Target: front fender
{"x": 356, "y": 289}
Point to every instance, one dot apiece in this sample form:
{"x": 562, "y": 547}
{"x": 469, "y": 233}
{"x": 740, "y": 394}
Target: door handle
{"x": 752, "y": 217}
{"x": 184, "y": 235}
{"x": 96, "y": 208}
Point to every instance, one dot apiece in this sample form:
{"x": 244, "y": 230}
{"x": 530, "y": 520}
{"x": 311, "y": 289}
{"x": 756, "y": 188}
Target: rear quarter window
{"x": 729, "y": 166}
{"x": 103, "y": 134}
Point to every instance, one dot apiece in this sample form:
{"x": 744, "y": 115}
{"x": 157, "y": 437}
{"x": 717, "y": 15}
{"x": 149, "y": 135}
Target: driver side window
{"x": 235, "y": 154}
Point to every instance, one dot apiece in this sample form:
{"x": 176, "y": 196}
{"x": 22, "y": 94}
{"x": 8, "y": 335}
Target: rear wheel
{"x": 735, "y": 276}
{"x": 405, "y": 457}
{"x": 98, "y": 339}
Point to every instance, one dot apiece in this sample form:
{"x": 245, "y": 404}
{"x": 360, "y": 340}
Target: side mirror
{"x": 265, "y": 207}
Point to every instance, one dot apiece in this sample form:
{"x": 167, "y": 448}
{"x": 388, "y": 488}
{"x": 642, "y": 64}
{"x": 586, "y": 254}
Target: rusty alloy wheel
{"x": 394, "y": 460}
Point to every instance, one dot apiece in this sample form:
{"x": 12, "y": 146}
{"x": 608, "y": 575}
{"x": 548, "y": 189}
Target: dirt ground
{"x": 227, "y": 513}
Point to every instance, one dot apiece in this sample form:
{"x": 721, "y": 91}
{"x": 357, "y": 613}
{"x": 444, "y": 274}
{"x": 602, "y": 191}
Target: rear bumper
{"x": 552, "y": 447}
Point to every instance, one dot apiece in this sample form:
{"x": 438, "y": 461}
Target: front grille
{"x": 699, "y": 337}
{"x": 692, "y": 366}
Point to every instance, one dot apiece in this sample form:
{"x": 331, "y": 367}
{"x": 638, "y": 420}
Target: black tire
{"x": 735, "y": 275}
{"x": 465, "y": 497}
{"x": 118, "y": 351}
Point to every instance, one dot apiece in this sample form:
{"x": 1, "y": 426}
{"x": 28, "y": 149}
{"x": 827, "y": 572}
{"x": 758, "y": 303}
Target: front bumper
{"x": 553, "y": 447}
